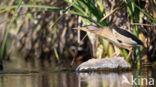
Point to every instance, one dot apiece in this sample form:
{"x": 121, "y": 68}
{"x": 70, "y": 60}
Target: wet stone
{"x": 116, "y": 63}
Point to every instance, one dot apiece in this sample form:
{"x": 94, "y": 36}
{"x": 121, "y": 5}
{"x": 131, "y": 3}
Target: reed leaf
{"x": 6, "y": 33}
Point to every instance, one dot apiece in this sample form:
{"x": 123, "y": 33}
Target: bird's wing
{"x": 105, "y": 32}
{"x": 125, "y": 37}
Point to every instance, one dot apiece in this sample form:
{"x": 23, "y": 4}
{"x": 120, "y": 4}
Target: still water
{"x": 22, "y": 74}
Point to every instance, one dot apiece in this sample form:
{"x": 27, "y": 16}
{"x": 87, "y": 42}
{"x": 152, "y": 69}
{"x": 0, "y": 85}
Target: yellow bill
{"x": 81, "y": 28}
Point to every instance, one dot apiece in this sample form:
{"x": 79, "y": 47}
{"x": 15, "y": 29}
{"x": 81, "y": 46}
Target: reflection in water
{"x": 72, "y": 79}
{"x": 104, "y": 79}
{"x": 36, "y": 74}
{"x": 135, "y": 78}
{"x": 39, "y": 80}
{"x": 49, "y": 75}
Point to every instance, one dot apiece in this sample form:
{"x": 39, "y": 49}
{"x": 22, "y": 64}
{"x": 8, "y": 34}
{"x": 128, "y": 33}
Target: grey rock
{"x": 104, "y": 64}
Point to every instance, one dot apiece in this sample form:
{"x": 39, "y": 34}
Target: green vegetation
{"x": 45, "y": 27}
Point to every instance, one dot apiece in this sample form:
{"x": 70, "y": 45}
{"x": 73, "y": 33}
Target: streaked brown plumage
{"x": 115, "y": 35}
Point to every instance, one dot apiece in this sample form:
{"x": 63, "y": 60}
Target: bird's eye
{"x": 119, "y": 41}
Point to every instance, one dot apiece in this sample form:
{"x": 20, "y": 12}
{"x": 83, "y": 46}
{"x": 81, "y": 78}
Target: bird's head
{"x": 87, "y": 28}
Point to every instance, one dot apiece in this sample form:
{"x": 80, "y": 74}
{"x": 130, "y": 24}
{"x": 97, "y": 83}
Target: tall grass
{"x": 94, "y": 15}
{"x": 135, "y": 12}
{"x": 6, "y": 33}
{"x": 17, "y": 7}
{"x": 96, "y": 11}
{"x": 90, "y": 12}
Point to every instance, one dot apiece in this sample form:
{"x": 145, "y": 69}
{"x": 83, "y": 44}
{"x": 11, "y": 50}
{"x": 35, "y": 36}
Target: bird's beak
{"x": 80, "y": 28}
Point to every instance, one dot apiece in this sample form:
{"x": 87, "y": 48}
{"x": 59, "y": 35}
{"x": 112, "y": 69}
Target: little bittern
{"x": 115, "y": 35}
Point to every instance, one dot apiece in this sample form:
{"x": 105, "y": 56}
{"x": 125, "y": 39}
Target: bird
{"x": 117, "y": 36}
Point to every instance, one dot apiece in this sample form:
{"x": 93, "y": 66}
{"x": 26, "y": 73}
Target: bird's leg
{"x": 117, "y": 52}
{"x": 93, "y": 39}
{"x": 130, "y": 52}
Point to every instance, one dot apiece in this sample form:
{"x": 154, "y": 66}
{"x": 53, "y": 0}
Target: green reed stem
{"x": 6, "y": 34}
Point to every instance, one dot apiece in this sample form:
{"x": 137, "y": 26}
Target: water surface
{"x": 22, "y": 74}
